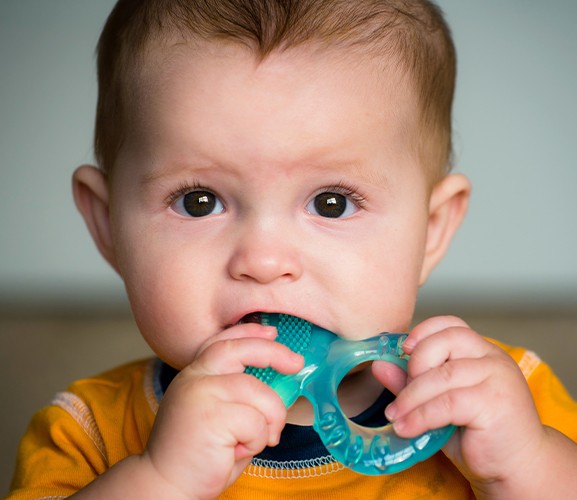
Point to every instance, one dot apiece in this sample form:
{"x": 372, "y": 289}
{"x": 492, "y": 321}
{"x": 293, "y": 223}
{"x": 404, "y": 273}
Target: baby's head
{"x": 409, "y": 38}
{"x": 277, "y": 156}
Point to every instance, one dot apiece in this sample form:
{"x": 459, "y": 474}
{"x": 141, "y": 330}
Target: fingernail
{"x": 274, "y": 440}
{"x": 391, "y": 412}
{"x": 398, "y": 426}
{"x": 297, "y": 358}
{"x": 408, "y": 345}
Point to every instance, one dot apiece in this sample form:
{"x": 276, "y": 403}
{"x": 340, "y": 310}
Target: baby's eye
{"x": 331, "y": 205}
{"x": 198, "y": 204}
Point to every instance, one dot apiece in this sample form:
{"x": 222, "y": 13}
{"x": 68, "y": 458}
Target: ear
{"x": 447, "y": 208}
{"x": 90, "y": 190}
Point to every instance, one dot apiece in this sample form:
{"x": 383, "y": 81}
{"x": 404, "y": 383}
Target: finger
{"x": 248, "y": 432}
{"x": 247, "y": 330}
{"x": 212, "y": 393}
{"x": 263, "y": 399}
{"x": 458, "y": 406}
{"x": 390, "y": 375}
{"x": 455, "y": 342}
{"x": 234, "y": 355}
{"x": 438, "y": 381}
{"x": 430, "y": 327}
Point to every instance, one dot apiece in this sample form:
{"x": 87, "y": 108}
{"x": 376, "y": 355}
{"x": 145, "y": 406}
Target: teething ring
{"x": 328, "y": 359}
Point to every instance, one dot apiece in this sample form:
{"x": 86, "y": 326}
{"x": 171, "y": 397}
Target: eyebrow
{"x": 354, "y": 168}
{"x": 373, "y": 176}
{"x": 174, "y": 170}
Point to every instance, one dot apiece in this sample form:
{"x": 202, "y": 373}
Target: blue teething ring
{"x": 328, "y": 359}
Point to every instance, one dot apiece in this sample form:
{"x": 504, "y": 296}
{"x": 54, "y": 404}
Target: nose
{"x": 264, "y": 257}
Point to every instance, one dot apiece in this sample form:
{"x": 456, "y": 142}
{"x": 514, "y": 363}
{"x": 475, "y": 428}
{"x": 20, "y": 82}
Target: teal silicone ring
{"x": 328, "y": 359}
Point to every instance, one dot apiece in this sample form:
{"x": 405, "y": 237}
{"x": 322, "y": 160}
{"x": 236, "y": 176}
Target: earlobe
{"x": 90, "y": 190}
{"x": 447, "y": 208}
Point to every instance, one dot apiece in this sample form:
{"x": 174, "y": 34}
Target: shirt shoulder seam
{"x": 83, "y": 416}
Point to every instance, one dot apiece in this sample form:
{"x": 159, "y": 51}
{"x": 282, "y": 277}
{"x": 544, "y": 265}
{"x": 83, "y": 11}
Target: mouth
{"x": 253, "y": 317}
{"x": 264, "y": 317}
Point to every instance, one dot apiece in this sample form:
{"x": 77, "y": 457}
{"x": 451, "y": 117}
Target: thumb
{"x": 390, "y": 375}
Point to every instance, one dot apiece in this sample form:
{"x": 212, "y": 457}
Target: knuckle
{"x": 439, "y": 409}
{"x": 449, "y": 401}
{"x": 221, "y": 350}
{"x": 453, "y": 321}
{"x": 448, "y": 372}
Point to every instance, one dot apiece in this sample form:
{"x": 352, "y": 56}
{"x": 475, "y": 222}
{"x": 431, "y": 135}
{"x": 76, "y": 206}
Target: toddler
{"x": 287, "y": 156}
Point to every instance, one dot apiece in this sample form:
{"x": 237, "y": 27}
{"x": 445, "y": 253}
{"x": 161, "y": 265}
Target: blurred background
{"x": 512, "y": 270}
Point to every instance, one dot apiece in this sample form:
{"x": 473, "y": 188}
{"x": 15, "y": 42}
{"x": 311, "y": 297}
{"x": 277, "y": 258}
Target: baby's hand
{"x": 214, "y": 418}
{"x": 457, "y": 377}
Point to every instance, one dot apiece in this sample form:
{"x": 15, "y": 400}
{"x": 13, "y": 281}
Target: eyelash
{"x": 342, "y": 188}
{"x": 183, "y": 188}
{"x": 347, "y": 190}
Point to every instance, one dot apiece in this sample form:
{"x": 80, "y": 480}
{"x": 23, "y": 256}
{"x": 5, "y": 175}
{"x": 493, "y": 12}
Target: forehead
{"x": 213, "y": 66}
{"x": 293, "y": 104}
{"x": 218, "y": 69}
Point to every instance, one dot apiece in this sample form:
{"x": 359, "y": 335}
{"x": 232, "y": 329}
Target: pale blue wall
{"x": 516, "y": 138}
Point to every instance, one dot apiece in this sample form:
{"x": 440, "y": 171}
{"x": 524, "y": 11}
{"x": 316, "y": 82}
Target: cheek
{"x": 170, "y": 296}
{"x": 384, "y": 275}
{"x": 391, "y": 291}
{"x": 164, "y": 312}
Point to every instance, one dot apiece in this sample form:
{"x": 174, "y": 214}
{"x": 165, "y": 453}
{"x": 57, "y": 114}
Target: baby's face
{"x": 289, "y": 186}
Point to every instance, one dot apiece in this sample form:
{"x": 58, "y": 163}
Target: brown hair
{"x": 412, "y": 32}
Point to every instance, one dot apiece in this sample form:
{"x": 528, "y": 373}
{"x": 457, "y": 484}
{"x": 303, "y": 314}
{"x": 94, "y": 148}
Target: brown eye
{"x": 198, "y": 204}
{"x": 331, "y": 205}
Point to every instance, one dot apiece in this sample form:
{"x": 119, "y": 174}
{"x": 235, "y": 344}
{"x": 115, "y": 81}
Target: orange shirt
{"x": 101, "y": 420}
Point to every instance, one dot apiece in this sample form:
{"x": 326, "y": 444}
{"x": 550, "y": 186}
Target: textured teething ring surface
{"x": 328, "y": 359}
